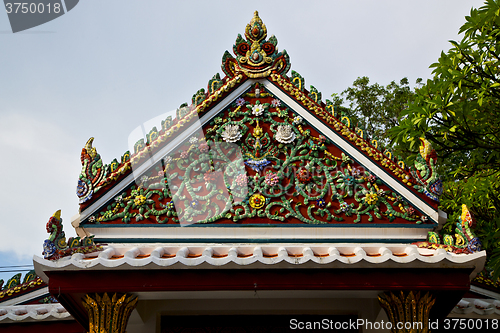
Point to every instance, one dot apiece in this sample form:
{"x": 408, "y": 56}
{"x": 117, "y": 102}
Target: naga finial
{"x": 466, "y": 217}
{"x": 57, "y": 214}
{"x": 464, "y": 240}
{"x": 55, "y": 246}
{"x": 464, "y": 237}
{"x": 429, "y": 181}
{"x": 93, "y": 172}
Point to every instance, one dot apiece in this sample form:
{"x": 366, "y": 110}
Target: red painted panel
{"x": 67, "y": 326}
{"x": 259, "y": 279}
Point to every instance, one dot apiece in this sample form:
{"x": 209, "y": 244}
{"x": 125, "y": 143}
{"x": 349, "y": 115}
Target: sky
{"x": 106, "y": 67}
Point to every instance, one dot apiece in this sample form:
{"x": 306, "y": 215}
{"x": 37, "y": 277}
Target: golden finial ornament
{"x": 257, "y": 132}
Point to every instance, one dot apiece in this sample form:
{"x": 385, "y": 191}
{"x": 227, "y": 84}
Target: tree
{"x": 458, "y": 110}
{"x": 375, "y": 108}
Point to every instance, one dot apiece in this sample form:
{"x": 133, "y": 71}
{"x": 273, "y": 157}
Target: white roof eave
{"x": 211, "y": 256}
{"x": 33, "y": 313}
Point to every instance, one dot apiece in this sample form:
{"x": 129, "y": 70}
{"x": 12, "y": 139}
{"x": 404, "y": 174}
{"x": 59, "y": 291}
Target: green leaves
{"x": 375, "y": 108}
{"x": 460, "y": 107}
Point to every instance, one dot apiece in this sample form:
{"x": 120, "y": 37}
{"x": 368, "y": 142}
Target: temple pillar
{"x": 109, "y": 315}
{"x": 407, "y": 311}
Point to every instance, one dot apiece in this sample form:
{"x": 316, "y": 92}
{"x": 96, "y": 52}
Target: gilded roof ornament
{"x": 56, "y": 247}
{"x": 256, "y": 57}
{"x": 92, "y": 174}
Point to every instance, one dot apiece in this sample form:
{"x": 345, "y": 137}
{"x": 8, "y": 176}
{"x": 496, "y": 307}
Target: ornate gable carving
{"x": 256, "y": 57}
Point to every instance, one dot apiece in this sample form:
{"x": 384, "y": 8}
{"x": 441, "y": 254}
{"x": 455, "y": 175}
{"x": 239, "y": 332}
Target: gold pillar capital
{"x": 109, "y": 315}
{"x": 408, "y": 312}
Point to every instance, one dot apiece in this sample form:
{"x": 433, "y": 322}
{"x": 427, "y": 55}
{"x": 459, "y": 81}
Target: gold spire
{"x": 256, "y": 30}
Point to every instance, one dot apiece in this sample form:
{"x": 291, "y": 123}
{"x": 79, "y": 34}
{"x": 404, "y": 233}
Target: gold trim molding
{"x": 407, "y": 308}
{"x": 109, "y": 315}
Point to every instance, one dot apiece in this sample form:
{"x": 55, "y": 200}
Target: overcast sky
{"x": 106, "y": 67}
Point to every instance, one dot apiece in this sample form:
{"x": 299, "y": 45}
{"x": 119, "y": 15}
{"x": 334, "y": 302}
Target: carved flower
{"x": 275, "y": 102}
{"x": 231, "y": 133}
{"x": 242, "y": 179}
{"x": 344, "y": 206}
{"x": 271, "y": 178}
{"x": 194, "y": 204}
{"x": 297, "y": 120}
{"x": 348, "y": 179}
{"x": 203, "y": 147}
{"x": 410, "y": 211}
{"x": 139, "y": 200}
{"x": 185, "y": 154}
{"x": 322, "y": 138}
{"x": 356, "y": 172}
{"x": 240, "y": 101}
{"x": 285, "y": 134}
{"x": 321, "y": 203}
{"x": 257, "y": 109}
{"x": 257, "y": 201}
{"x": 210, "y": 177}
{"x": 371, "y": 198}
{"x": 303, "y": 175}
{"x": 193, "y": 139}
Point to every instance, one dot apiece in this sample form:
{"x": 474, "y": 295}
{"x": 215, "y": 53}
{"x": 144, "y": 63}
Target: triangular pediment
{"x": 258, "y": 150}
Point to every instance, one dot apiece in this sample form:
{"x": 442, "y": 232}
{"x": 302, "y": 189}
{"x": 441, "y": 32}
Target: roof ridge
{"x": 14, "y": 285}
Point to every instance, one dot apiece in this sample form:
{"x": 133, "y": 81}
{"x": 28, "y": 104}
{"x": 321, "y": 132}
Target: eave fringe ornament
{"x": 109, "y": 315}
{"x": 56, "y": 246}
{"x": 14, "y": 285}
{"x": 465, "y": 241}
{"x": 409, "y": 308}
